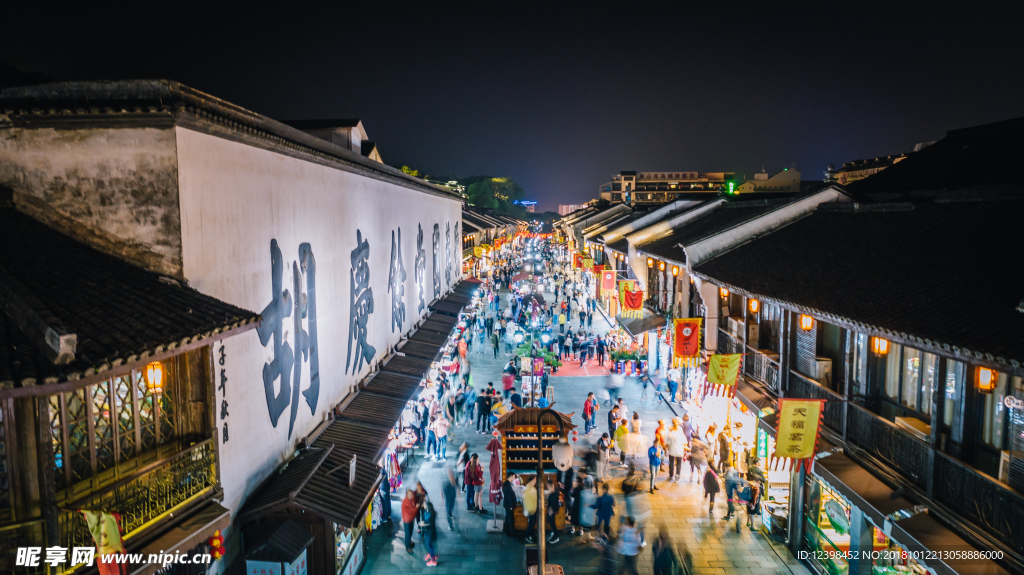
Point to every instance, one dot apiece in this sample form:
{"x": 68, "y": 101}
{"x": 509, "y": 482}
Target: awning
{"x": 433, "y": 337}
{"x": 923, "y": 534}
{"x": 637, "y": 326}
{"x": 859, "y": 487}
{"x": 420, "y": 349}
{"x": 183, "y": 536}
{"x": 283, "y": 545}
{"x": 447, "y": 307}
{"x": 445, "y": 319}
{"x": 376, "y": 409}
{"x": 316, "y": 481}
{"x": 752, "y": 397}
{"x": 407, "y": 365}
{"x": 396, "y": 384}
{"x": 437, "y": 327}
{"x": 769, "y": 423}
{"x": 522, "y": 276}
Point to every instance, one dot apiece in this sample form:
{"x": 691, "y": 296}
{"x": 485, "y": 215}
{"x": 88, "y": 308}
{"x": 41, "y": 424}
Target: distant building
{"x": 566, "y": 209}
{"x": 348, "y": 133}
{"x": 787, "y": 180}
{"x": 648, "y": 188}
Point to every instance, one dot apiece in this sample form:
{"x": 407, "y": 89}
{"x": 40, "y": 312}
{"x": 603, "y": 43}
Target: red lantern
{"x": 216, "y": 544}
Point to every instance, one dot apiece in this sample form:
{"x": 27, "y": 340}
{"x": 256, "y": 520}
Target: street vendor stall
{"x": 519, "y": 438}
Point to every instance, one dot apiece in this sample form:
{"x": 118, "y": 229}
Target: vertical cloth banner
{"x": 631, "y": 299}
{"x": 797, "y": 432}
{"x": 607, "y": 280}
{"x": 588, "y": 263}
{"x": 686, "y": 351}
{"x": 106, "y": 533}
{"x": 724, "y": 368}
{"x": 577, "y": 261}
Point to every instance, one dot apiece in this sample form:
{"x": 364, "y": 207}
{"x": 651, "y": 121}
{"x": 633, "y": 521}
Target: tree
{"x": 499, "y": 194}
{"x": 481, "y": 195}
{"x": 411, "y": 172}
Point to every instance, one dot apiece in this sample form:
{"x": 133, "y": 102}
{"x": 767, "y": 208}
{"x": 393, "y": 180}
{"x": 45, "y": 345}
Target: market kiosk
{"x": 518, "y": 431}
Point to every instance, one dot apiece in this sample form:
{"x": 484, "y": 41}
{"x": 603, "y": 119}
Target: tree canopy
{"x": 499, "y": 194}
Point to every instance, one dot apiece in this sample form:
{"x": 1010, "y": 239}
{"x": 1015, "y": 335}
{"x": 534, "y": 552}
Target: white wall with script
{"x": 258, "y": 223}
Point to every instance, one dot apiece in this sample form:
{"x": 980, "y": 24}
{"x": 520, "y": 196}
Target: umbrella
{"x": 494, "y": 446}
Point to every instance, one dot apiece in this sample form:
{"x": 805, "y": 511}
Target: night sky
{"x": 560, "y": 101}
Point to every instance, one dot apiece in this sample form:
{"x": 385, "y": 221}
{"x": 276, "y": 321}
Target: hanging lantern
{"x": 754, "y": 305}
{"x": 724, "y": 292}
{"x": 806, "y": 322}
{"x": 675, "y": 270}
{"x": 561, "y": 454}
{"x": 879, "y": 346}
{"x": 650, "y": 262}
{"x": 986, "y": 380}
{"x": 216, "y": 544}
{"x": 155, "y": 377}
{"x": 661, "y": 266}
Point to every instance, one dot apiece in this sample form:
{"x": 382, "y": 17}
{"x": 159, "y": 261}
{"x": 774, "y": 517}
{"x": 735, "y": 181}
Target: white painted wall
{"x": 235, "y": 199}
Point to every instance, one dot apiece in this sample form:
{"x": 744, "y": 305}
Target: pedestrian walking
{"x": 603, "y": 447}
{"x": 600, "y": 351}
{"x": 409, "y": 512}
{"x": 638, "y": 508}
{"x": 450, "y": 492}
{"x": 483, "y": 412}
{"x": 508, "y": 502}
{"x": 629, "y": 546}
{"x": 605, "y": 509}
{"x": 711, "y": 487}
{"x": 654, "y": 458}
{"x": 495, "y": 341}
{"x": 474, "y": 482}
{"x": 429, "y": 527}
{"x": 675, "y": 444}
{"x": 666, "y": 562}
{"x": 590, "y": 408}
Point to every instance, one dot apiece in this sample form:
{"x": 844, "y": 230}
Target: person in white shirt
{"x": 675, "y": 441}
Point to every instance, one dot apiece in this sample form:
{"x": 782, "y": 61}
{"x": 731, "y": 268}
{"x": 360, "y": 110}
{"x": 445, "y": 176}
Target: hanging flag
{"x": 686, "y": 352}
{"x": 106, "y": 533}
{"x": 588, "y": 263}
{"x": 608, "y": 280}
{"x": 478, "y": 251}
{"x": 631, "y": 298}
{"x": 577, "y": 261}
{"x": 724, "y": 368}
{"x": 797, "y": 432}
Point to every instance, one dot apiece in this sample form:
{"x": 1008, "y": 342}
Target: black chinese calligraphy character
{"x": 223, "y": 408}
{"x": 396, "y": 283}
{"x": 800, "y": 411}
{"x": 448, "y": 255}
{"x": 437, "y": 261}
{"x": 420, "y": 270}
{"x": 797, "y": 424}
{"x": 793, "y": 449}
{"x": 272, "y": 328}
{"x": 796, "y": 436}
{"x": 307, "y": 264}
{"x": 224, "y": 434}
{"x": 361, "y": 306}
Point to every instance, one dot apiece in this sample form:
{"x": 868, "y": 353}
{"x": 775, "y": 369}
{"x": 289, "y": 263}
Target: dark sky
{"x": 561, "y": 100}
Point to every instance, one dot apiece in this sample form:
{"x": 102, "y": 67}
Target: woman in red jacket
{"x": 474, "y": 484}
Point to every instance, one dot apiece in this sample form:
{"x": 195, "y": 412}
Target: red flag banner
{"x": 577, "y": 261}
{"x": 631, "y": 298}
{"x": 686, "y": 351}
{"x": 608, "y": 280}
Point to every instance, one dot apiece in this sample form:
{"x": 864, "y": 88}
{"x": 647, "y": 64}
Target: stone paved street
{"x": 678, "y": 507}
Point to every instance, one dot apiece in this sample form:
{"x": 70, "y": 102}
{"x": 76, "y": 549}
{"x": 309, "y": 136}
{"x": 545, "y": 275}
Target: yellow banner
{"x": 478, "y": 251}
{"x": 724, "y": 369}
{"x": 798, "y": 427}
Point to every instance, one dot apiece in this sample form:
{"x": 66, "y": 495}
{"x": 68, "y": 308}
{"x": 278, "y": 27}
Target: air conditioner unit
{"x": 822, "y": 369}
{"x": 735, "y": 326}
{"x": 753, "y": 333}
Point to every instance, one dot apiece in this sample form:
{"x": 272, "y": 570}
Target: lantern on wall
{"x": 650, "y": 262}
{"x": 675, "y": 270}
{"x": 985, "y": 379}
{"x": 155, "y": 377}
{"x": 806, "y": 322}
{"x": 661, "y": 266}
{"x": 724, "y": 292}
{"x": 754, "y": 305}
{"x": 879, "y": 346}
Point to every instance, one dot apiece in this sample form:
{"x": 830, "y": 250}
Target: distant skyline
{"x": 562, "y": 98}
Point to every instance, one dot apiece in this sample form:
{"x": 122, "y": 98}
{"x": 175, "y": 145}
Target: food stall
{"x": 518, "y": 430}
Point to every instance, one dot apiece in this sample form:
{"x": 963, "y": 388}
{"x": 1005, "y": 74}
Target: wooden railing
{"x": 727, "y": 343}
{"x": 764, "y": 369}
{"x": 995, "y": 509}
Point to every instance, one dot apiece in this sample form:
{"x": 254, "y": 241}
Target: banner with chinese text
{"x": 724, "y": 368}
{"x": 686, "y": 350}
{"x": 608, "y": 280}
{"x": 577, "y": 261}
{"x": 478, "y": 252}
{"x": 797, "y": 432}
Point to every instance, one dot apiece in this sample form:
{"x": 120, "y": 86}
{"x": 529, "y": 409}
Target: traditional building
{"x": 641, "y": 188}
{"x": 153, "y": 221}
